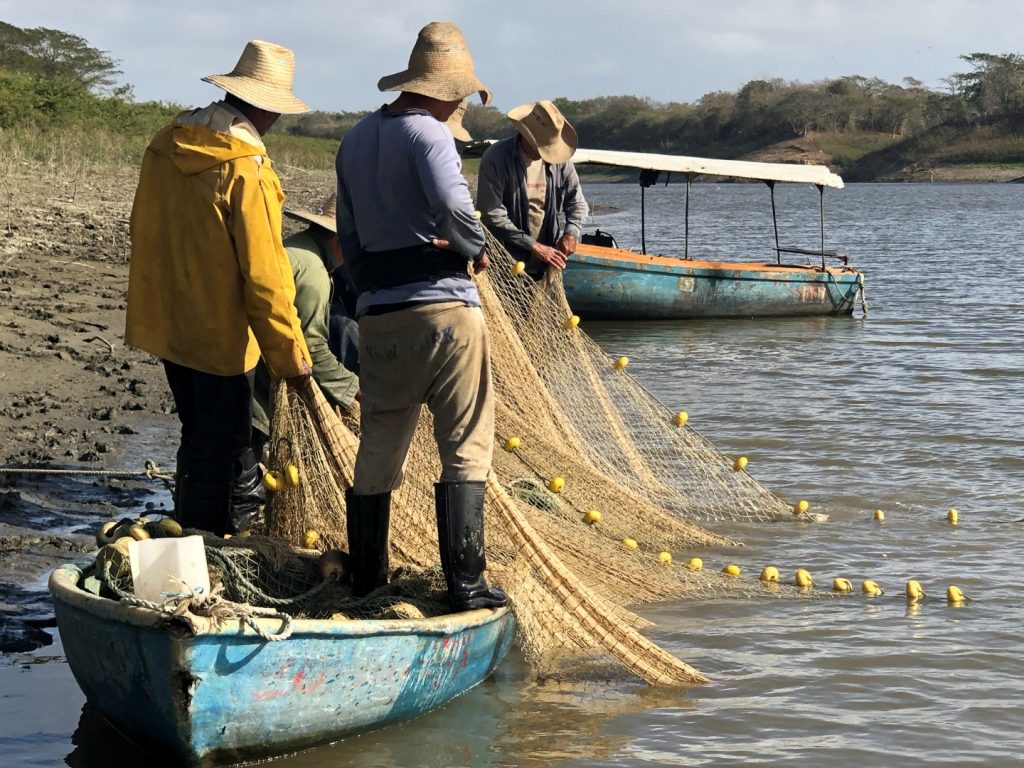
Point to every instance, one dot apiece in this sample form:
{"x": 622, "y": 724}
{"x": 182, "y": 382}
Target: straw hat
{"x": 439, "y": 67}
{"x": 263, "y": 77}
{"x": 455, "y": 125}
{"x": 326, "y": 218}
{"x": 541, "y": 124}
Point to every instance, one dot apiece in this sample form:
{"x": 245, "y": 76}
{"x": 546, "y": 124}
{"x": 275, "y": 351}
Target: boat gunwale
{"x": 622, "y": 259}
{"x": 64, "y": 587}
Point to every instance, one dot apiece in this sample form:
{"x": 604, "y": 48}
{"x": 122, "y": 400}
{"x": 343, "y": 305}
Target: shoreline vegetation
{"x": 61, "y": 107}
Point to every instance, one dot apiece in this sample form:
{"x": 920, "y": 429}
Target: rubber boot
{"x": 247, "y": 494}
{"x": 460, "y": 531}
{"x": 368, "y": 519}
{"x": 203, "y": 502}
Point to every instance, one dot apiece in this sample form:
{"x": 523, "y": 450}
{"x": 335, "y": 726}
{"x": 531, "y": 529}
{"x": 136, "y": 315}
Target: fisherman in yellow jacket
{"x": 210, "y": 287}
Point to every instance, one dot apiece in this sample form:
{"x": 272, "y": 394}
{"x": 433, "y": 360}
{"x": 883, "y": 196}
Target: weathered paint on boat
{"x": 613, "y": 284}
{"x": 227, "y": 695}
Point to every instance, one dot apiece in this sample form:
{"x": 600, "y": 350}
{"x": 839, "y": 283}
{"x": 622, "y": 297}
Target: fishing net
{"x": 266, "y": 572}
{"x": 577, "y": 416}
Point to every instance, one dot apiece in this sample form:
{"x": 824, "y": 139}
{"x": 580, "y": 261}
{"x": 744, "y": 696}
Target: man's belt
{"x": 376, "y": 270}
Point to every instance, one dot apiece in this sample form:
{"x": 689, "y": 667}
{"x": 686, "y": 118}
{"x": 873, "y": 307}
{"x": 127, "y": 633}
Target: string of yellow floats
{"x": 770, "y": 574}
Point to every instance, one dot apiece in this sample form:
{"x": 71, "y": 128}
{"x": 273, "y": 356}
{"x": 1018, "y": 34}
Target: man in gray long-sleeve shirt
{"x": 409, "y": 235}
{"x": 527, "y": 184}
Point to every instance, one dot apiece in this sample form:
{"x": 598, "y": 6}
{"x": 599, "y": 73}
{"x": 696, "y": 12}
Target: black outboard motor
{"x": 600, "y": 238}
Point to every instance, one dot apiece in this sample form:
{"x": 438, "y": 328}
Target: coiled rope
{"x": 212, "y": 606}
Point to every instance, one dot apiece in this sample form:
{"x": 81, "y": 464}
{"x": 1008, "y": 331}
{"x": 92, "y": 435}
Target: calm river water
{"x": 914, "y": 409}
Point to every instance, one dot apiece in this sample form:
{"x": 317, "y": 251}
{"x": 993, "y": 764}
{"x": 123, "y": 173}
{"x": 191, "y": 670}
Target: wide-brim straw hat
{"x": 455, "y": 125}
{"x": 439, "y": 67}
{"x": 540, "y": 123}
{"x": 263, "y": 77}
{"x": 326, "y": 217}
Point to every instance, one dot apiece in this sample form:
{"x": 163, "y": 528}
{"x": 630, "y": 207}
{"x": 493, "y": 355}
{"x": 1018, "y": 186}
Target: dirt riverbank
{"x": 72, "y": 396}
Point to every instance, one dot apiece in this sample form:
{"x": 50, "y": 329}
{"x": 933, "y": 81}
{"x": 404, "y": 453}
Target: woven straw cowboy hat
{"x": 455, "y": 125}
{"x": 439, "y": 67}
{"x": 263, "y": 77}
{"x": 541, "y": 124}
{"x": 326, "y": 217}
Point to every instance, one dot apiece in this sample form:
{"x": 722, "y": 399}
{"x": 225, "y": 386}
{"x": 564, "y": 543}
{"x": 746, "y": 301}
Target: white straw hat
{"x": 263, "y": 77}
{"x": 326, "y": 217}
{"x": 455, "y": 125}
{"x": 541, "y": 124}
{"x": 439, "y": 67}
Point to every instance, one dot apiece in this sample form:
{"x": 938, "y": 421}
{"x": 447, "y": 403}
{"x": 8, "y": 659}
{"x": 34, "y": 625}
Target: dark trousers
{"x": 216, "y": 421}
{"x": 344, "y": 340}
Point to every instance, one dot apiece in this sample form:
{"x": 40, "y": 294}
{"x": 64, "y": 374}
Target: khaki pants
{"x": 434, "y": 354}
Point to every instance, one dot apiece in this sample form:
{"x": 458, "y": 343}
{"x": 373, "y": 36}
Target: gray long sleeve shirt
{"x": 400, "y": 184}
{"x": 505, "y": 207}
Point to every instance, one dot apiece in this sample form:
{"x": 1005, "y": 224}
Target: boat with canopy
{"x": 605, "y": 281}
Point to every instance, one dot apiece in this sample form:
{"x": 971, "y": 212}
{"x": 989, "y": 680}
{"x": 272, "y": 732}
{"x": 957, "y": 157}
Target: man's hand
{"x": 303, "y": 379}
{"x": 437, "y": 242}
{"x": 481, "y": 264}
{"x": 567, "y": 245}
{"x": 549, "y": 255}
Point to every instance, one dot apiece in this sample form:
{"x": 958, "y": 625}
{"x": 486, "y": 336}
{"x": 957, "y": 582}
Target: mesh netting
{"x": 269, "y": 573}
{"x": 578, "y": 417}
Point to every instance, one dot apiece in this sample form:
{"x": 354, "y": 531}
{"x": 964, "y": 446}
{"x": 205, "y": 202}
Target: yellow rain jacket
{"x": 210, "y": 286}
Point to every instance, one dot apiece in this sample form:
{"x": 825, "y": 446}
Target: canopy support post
{"x": 821, "y": 198}
{"x": 775, "y": 223}
{"x": 686, "y": 241}
{"x": 643, "y": 219}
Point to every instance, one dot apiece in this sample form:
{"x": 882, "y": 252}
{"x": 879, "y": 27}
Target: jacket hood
{"x": 195, "y": 148}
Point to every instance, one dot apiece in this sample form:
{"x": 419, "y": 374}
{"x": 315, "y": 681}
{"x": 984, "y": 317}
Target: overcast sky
{"x": 532, "y": 49}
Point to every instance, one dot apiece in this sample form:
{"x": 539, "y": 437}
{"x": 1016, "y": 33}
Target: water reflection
{"x": 97, "y": 743}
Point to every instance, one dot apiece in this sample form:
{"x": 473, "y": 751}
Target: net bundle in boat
{"x": 577, "y": 417}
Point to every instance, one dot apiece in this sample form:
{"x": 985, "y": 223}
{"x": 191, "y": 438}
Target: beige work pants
{"x": 433, "y": 354}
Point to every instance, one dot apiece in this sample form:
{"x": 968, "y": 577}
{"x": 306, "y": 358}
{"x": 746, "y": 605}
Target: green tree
{"x": 55, "y": 55}
{"x": 994, "y": 85}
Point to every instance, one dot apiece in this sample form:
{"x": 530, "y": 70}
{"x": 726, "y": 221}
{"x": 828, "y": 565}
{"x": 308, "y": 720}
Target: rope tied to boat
{"x": 212, "y": 606}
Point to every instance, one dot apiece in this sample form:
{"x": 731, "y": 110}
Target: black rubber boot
{"x": 460, "y": 531}
{"x": 247, "y": 494}
{"x": 203, "y": 502}
{"x": 368, "y": 519}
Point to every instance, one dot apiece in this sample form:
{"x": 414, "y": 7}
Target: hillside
{"x": 61, "y": 105}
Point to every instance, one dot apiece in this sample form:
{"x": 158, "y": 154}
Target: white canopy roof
{"x": 740, "y": 169}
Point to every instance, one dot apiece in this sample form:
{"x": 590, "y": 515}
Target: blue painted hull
{"x": 611, "y": 284}
{"x": 225, "y": 696}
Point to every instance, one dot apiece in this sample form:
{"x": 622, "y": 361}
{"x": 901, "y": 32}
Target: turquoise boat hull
{"x": 226, "y": 695}
{"x": 612, "y": 284}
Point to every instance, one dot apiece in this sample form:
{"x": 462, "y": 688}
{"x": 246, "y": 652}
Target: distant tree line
{"x": 760, "y": 113}
{"x": 50, "y": 78}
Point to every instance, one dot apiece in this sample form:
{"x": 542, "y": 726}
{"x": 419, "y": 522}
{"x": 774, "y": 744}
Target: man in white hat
{"x": 210, "y": 288}
{"x": 527, "y": 184}
{"x": 313, "y": 254}
{"x": 422, "y": 338}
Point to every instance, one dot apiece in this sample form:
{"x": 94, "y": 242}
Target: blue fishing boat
{"x": 605, "y": 282}
{"x": 224, "y": 696}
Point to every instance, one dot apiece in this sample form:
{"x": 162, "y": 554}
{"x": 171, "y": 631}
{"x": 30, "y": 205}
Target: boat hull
{"x": 227, "y": 695}
{"x": 611, "y": 284}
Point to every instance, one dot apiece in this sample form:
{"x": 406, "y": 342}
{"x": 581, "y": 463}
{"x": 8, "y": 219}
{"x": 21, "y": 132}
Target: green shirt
{"x": 313, "y": 302}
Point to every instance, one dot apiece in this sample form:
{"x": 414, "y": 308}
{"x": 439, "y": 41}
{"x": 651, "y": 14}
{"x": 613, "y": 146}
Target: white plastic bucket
{"x": 162, "y": 568}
